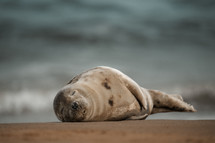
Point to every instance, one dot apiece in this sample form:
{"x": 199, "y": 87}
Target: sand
{"x": 148, "y": 131}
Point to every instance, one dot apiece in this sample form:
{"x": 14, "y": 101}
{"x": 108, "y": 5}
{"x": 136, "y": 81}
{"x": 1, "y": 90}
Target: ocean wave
{"x": 104, "y": 22}
{"x": 26, "y": 101}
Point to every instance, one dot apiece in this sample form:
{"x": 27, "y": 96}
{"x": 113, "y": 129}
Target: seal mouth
{"x": 68, "y": 115}
{"x": 75, "y": 112}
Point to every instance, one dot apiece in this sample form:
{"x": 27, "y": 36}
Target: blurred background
{"x": 167, "y": 45}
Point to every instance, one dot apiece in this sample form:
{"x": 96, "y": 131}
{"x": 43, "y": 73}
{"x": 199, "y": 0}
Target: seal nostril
{"x": 74, "y": 105}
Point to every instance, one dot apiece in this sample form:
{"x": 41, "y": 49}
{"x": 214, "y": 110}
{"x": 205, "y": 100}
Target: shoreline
{"x": 117, "y": 131}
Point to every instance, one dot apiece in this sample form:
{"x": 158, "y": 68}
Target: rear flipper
{"x": 168, "y": 103}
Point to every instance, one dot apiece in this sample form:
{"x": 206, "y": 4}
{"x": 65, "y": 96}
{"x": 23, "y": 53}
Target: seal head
{"x": 70, "y": 105}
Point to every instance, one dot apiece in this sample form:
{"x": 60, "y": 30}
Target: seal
{"x": 106, "y": 94}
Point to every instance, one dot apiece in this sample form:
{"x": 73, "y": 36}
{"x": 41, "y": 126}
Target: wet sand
{"x": 150, "y": 131}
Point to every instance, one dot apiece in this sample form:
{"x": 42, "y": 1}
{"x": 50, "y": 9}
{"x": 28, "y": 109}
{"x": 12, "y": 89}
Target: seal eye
{"x": 84, "y": 111}
{"x": 73, "y": 92}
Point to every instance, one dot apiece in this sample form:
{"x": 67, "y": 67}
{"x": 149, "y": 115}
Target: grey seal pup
{"x": 106, "y": 94}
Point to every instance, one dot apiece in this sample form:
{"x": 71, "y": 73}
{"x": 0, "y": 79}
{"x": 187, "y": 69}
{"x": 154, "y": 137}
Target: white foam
{"x": 25, "y": 100}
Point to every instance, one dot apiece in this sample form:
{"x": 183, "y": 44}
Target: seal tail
{"x": 163, "y": 102}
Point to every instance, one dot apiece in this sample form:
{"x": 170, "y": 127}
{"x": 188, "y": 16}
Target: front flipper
{"x": 140, "y": 117}
{"x": 142, "y": 96}
{"x": 168, "y": 103}
{"x": 137, "y": 92}
{"x": 132, "y": 86}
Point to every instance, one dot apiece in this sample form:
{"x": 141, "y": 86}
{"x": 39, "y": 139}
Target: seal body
{"x": 104, "y": 93}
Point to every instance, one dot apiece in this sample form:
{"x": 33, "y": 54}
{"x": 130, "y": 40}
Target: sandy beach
{"x": 151, "y": 131}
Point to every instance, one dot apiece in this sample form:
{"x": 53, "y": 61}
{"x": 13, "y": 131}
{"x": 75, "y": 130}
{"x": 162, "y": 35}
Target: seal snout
{"x": 75, "y": 105}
